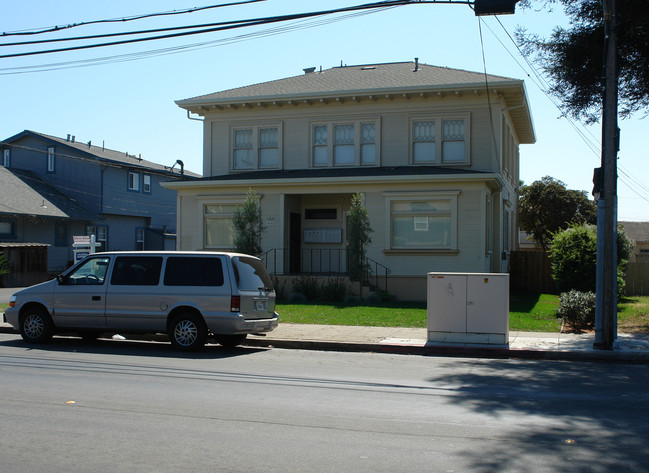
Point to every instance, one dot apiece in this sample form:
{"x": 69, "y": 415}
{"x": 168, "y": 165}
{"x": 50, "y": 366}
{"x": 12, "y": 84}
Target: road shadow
{"x": 573, "y": 413}
{"x": 140, "y": 347}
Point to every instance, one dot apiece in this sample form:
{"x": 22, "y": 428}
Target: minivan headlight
{"x": 12, "y": 301}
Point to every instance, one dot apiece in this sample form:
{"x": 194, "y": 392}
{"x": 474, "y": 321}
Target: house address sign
{"x": 323, "y": 235}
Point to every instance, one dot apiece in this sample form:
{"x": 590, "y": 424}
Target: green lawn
{"x": 527, "y": 312}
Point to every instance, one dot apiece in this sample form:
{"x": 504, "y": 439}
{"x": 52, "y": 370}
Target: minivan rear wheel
{"x": 36, "y": 326}
{"x": 188, "y": 332}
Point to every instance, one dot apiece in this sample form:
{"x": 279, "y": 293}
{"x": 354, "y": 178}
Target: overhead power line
{"x": 52, "y": 29}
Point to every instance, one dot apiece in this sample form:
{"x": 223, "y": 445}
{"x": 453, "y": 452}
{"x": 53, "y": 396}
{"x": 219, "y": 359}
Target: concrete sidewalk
{"x": 413, "y": 341}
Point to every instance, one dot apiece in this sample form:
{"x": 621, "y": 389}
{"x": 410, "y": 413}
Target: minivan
{"x": 191, "y": 296}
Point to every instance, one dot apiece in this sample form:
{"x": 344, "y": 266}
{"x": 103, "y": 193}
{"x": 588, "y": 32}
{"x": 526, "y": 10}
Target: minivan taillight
{"x": 235, "y": 304}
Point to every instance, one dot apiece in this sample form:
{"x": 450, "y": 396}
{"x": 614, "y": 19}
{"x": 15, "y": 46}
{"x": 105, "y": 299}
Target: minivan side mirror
{"x": 61, "y": 279}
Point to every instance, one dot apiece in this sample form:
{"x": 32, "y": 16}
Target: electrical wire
{"x": 52, "y": 29}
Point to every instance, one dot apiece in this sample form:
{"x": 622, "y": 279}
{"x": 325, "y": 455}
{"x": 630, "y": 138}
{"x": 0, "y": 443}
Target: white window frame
{"x": 256, "y": 147}
{"x": 6, "y": 158}
{"x": 451, "y": 197}
{"x": 51, "y": 159}
{"x": 146, "y": 183}
{"x": 233, "y": 200}
{"x": 133, "y": 181}
{"x": 101, "y": 236}
{"x": 358, "y": 142}
{"x": 439, "y": 138}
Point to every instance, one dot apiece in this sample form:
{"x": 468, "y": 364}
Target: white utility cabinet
{"x": 468, "y": 308}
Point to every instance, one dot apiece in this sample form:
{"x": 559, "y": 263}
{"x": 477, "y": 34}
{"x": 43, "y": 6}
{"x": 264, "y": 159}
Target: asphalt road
{"x": 137, "y": 406}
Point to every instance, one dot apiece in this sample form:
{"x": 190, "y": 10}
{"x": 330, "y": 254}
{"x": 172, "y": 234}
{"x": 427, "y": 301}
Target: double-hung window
{"x": 6, "y": 158}
{"x": 139, "y": 239}
{"x": 146, "y": 183}
{"x": 101, "y": 236}
{"x": 134, "y": 181}
{"x": 51, "y": 159}
{"x": 421, "y": 221}
{"x": 348, "y": 143}
{"x": 256, "y": 147}
{"x": 440, "y": 140}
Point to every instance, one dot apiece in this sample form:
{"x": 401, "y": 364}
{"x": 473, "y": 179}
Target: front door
{"x": 295, "y": 243}
{"x": 79, "y": 298}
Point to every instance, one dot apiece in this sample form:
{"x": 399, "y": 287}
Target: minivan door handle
{"x": 96, "y": 298}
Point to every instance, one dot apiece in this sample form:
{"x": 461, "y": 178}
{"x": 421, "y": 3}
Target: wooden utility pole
{"x": 606, "y": 311}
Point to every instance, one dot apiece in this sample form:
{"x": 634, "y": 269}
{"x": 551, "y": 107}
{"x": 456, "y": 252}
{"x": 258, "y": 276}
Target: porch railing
{"x": 322, "y": 261}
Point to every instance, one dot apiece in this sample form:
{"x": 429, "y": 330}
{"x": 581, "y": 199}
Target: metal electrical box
{"x": 468, "y": 308}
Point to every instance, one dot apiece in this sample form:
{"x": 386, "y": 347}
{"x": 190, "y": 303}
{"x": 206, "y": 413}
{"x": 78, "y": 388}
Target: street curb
{"x": 428, "y": 350}
{"x": 453, "y": 351}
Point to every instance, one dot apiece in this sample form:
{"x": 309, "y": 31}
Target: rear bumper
{"x": 235, "y": 324}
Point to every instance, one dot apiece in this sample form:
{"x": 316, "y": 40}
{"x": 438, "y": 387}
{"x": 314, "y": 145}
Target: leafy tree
{"x": 358, "y": 237}
{"x": 248, "y": 225}
{"x": 573, "y": 253}
{"x": 573, "y": 57}
{"x": 547, "y": 206}
{"x": 4, "y": 266}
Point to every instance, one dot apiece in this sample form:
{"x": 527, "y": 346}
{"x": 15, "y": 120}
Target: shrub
{"x": 307, "y": 286}
{"x": 334, "y": 290}
{"x": 577, "y": 309}
{"x": 297, "y": 298}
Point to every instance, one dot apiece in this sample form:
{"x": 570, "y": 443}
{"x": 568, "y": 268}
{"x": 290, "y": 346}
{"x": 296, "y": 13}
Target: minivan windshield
{"x": 251, "y": 274}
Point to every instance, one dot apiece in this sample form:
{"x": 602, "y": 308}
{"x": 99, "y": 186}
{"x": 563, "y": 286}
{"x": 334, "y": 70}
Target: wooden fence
{"x": 532, "y": 271}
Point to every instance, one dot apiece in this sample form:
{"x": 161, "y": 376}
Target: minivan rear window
{"x": 136, "y": 271}
{"x": 251, "y": 274}
{"x": 193, "y": 271}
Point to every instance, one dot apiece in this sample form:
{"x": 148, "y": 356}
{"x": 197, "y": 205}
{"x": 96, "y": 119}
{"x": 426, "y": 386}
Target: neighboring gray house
{"x": 56, "y": 188}
{"x": 639, "y": 233}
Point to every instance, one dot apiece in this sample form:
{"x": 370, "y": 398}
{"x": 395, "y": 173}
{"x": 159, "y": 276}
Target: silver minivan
{"x": 191, "y": 296}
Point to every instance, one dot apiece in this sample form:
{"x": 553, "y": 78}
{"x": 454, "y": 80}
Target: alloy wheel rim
{"x": 34, "y": 326}
{"x": 185, "y": 332}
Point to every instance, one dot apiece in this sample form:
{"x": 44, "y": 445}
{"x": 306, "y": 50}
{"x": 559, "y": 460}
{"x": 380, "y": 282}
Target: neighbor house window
{"x": 352, "y": 143}
{"x": 61, "y": 234}
{"x": 422, "y": 221}
{"x": 7, "y": 229}
{"x": 139, "y": 239}
{"x": 101, "y": 236}
{"x": 219, "y": 230}
{"x": 440, "y": 140}
{"x": 256, "y": 147}
{"x": 134, "y": 181}
{"x": 6, "y": 158}
{"x": 51, "y": 160}
{"x": 146, "y": 183}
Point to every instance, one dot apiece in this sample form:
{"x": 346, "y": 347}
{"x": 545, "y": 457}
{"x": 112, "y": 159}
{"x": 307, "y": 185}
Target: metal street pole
{"x": 606, "y": 311}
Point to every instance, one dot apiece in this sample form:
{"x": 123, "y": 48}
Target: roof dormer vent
{"x": 309, "y": 70}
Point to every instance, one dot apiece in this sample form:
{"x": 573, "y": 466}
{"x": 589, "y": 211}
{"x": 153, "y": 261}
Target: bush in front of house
{"x": 577, "y": 309}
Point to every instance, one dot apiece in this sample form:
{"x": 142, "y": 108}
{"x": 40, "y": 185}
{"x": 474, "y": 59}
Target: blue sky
{"x": 129, "y": 104}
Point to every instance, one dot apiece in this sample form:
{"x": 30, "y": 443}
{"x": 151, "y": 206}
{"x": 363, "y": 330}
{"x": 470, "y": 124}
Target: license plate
{"x": 260, "y": 305}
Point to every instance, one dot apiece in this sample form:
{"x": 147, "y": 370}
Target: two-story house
{"x": 434, "y": 152}
{"x": 57, "y": 188}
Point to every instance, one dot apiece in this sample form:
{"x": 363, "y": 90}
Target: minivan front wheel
{"x": 188, "y": 332}
{"x": 36, "y": 326}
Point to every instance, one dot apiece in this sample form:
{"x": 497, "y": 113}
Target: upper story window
{"x": 440, "y": 140}
{"x": 6, "y": 158}
{"x": 7, "y": 229}
{"x": 134, "y": 181}
{"x": 146, "y": 183}
{"x": 353, "y": 143}
{"x": 51, "y": 159}
{"x": 256, "y": 147}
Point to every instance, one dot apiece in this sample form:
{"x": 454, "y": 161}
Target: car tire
{"x": 230, "y": 341}
{"x": 36, "y": 326}
{"x": 188, "y": 332}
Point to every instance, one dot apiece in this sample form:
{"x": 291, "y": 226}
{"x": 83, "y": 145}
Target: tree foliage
{"x": 248, "y": 225}
{"x": 358, "y": 237}
{"x": 573, "y": 57}
{"x": 547, "y": 206}
{"x": 573, "y": 253}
